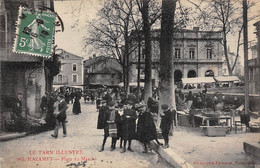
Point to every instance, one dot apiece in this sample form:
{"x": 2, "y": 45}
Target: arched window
{"x": 209, "y": 73}
{"x": 177, "y": 75}
{"x": 192, "y": 74}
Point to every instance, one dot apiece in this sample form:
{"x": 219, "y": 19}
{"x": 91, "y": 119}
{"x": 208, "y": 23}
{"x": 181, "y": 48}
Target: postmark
{"x": 34, "y": 32}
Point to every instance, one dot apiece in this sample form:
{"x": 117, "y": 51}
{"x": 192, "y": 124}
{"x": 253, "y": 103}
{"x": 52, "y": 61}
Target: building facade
{"x": 253, "y": 67}
{"x": 196, "y": 54}
{"x": 102, "y": 70}
{"x": 71, "y": 71}
{"x": 21, "y": 74}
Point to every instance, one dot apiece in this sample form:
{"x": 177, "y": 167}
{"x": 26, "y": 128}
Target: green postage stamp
{"x": 34, "y": 32}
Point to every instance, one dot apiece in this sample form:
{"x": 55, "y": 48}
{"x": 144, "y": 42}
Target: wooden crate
{"x": 213, "y": 131}
{"x": 184, "y": 121}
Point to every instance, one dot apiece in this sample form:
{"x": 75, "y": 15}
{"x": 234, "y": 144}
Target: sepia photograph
{"x": 129, "y": 83}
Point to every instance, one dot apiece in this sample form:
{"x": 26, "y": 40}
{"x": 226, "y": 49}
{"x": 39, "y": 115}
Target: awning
{"x": 132, "y": 84}
{"x": 198, "y": 80}
{"x": 227, "y": 79}
{"x": 76, "y": 86}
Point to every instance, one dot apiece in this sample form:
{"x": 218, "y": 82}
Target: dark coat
{"x": 44, "y": 102}
{"x": 102, "y": 117}
{"x": 128, "y": 124}
{"x": 76, "y": 106}
{"x": 167, "y": 120}
{"x": 107, "y": 97}
{"x": 153, "y": 105}
{"x": 62, "y": 107}
{"x": 146, "y": 130}
{"x": 17, "y": 107}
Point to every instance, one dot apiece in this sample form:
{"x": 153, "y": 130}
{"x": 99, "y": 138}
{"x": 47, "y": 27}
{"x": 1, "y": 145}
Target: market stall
{"x": 199, "y": 82}
{"x": 227, "y": 81}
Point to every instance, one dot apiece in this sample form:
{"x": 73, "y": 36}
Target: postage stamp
{"x": 34, "y": 32}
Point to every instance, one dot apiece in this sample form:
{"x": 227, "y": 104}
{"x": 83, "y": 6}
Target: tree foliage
{"x": 223, "y": 15}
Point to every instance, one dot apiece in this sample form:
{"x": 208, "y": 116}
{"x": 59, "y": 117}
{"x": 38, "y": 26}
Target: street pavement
{"x": 218, "y": 152}
{"x": 78, "y": 149}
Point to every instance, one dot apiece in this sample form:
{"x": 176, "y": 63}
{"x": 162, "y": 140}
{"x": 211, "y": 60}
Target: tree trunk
{"x": 148, "y": 56}
{"x": 166, "y": 87}
{"x": 238, "y": 46}
{"x": 226, "y": 51}
{"x": 246, "y": 69}
{"x": 138, "y": 65}
{"x": 127, "y": 57}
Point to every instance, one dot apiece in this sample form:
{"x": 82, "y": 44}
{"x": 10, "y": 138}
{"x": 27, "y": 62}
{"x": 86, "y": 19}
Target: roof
{"x": 107, "y": 71}
{"x": 71, "y": 56}
{"x": 198, "y": 80}
{"x": 227, "y": 78}
{"x": 96, "y": 60}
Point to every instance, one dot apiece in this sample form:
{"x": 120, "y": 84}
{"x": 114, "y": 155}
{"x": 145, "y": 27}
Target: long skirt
{"x": 112, "y": 130}
{"x": 76, "y": 107}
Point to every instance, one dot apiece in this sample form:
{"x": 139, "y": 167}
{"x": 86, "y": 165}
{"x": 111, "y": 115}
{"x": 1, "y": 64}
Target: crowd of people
{"x": 54, "y": 105}
{"x": 126, "y": 119}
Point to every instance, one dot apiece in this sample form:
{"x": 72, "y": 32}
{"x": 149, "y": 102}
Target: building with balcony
{"x": 196, "y": 54}
{"x": 71, "y": 71}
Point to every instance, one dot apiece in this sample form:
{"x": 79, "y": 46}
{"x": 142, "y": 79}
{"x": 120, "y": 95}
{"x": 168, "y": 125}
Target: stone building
{"x": 196, "y": 54}
{"x": 253, "y": 71}
{"x": 71, "y": 71}
{"x": 102, "y": 70}
{"x": 22, "y": 74}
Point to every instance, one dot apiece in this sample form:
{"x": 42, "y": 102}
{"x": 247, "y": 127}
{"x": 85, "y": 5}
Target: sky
{"x": 77, "y": 13}
{"x": 75, "y": 16}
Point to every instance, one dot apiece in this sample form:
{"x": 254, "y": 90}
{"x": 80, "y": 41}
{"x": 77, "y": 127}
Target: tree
{"x": 110, "y": 33}
{"x": 166, "y": 87}
{"x": 151, "y": 13}
{"x": 224, "y": 15}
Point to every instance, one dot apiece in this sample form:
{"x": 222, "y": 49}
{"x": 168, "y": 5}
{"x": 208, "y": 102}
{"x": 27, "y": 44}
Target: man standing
{"x": 17, "y": 106}
{"x": 60, "y": 107}
{"x": 17, "y": 112}
{"x": 44, "y": 104}
{"x": 166, "y": 123}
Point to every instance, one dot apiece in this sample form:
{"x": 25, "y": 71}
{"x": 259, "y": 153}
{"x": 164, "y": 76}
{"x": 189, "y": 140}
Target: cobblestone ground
{"x": 44, "y": 151}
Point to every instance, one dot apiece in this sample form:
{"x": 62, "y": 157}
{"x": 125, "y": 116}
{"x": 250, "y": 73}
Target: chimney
{"x": 196, "y": 28}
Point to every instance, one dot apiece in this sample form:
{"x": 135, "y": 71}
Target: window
{"x": 74, "y": 78}
{"x": 2, "y": 31}
{"x": 192, "y": 53}
{"x": 60, "y": 78}
{"x": 74, "y": 67}
{"x": 209, "y": 53}
{"x": 177, "y": 53}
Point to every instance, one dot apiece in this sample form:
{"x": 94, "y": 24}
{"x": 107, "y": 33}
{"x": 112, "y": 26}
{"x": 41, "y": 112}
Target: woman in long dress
{"x": 76, "y": 105}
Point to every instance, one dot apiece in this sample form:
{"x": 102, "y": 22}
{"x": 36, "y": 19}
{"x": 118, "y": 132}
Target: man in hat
{"x": 166, "y": 123}
{"x": 60, "y": 107}
{"x": 111, "y": 118}
{"x": 128, "y": 125}
{"x": 146, "y": 130}
{"x": 17, "y": 106}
